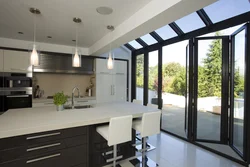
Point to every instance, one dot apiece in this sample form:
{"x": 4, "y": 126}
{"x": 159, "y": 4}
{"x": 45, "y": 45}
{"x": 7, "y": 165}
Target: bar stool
{"x": 137, "y": 101}
{"x": 118, "y": 131}
{"x": 149, "y": 125}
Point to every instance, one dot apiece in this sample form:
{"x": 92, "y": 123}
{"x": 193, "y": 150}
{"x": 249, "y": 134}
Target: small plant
{"x": 60, "y": 98}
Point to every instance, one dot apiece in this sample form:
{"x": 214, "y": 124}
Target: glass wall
{"x": 153, "y": 77}
{"x": 174, "y": 88}
{"x": 139, "y": 77}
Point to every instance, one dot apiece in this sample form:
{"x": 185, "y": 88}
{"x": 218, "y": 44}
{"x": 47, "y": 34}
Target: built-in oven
{"x": 18, "y": 101}
{"x": 15, "y": 80}
{"x": 15, "y": 91}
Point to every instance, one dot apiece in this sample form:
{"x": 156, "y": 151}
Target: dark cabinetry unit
{"x": 73, "y": 147}
{"x": 64, "y": 148}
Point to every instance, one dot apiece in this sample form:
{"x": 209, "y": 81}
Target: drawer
{"x": 36, "y": 138}
{"x": 32, "y": 150}
{"x": 63, "y": 158}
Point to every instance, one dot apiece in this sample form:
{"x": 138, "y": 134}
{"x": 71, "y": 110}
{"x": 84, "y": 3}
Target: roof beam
{"x": 156, "y": 36}
{"x": 130, "y": 47}
{"x": 204, "y": 17}
{"x": 141, "y": 42}
{"x": 176, "y": 28}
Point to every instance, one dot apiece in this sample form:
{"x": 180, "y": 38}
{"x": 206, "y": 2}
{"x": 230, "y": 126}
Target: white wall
{"x": 21, "y": 44}
{"x": 123, "y": 53}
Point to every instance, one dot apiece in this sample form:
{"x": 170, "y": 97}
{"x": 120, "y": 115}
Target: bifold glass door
{"x": 211, "y": 88}
{"x": 238, "y": 78}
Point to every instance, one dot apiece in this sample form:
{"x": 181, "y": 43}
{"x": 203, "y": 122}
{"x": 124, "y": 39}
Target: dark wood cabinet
{"x": 73, "y": 147}
{"x": 64, "y": 148}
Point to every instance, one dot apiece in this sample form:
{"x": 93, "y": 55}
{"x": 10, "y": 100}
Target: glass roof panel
{"x": 190, "y": 22}
{"x": 135, "y": 44}
{"x": 148, "y": 39}
{"x": 166, "y": 32}
{"x": 225, "y": 9}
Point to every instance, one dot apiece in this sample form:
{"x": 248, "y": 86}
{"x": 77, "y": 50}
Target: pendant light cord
{"x": 76, "y": 34}
{"x": 34, "y": 28}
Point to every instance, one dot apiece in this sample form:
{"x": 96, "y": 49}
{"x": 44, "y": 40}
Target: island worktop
{"x": 32, "y": 120}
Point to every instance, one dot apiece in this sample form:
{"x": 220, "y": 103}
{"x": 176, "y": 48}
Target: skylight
{"x": 225, "y": 9}
{"x": 166, "y": 32}
{"x": 190, "y": 22}
{"x": 135, "y": 44}
{"x": 148, "y": 39}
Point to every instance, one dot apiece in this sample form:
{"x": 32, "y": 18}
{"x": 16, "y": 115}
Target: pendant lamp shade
{"x": 110, "y": 63}
{"x": 34, "y": 58}
{"x": 76, "y": 58}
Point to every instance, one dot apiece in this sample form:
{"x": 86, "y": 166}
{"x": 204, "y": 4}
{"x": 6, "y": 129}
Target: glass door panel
{"x": 208, "y": 91}
{"x": 187, "y": 90}
{"x": 139, "y": 77}
{"x": 174, "y": 88}
{"x": 153, "y": 78}
{"x": 238, "y": 87}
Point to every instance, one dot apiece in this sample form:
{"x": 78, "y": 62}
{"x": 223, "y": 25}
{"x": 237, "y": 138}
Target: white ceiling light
{"x": 76, "y": 57}
{"x": 34, "y": 57}
{"x": 110, "y": 63}
{"x": 103, "y": 10}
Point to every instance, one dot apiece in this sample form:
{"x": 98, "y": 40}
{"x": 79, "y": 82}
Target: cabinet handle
{"x": 119, "y": 73}
{"x": 42, "y": 147}
{"x": 43, "y": 158}
{"x": 111, "y": 90}
{"x": 42, "y": 136}
{"x": 82, "y": 101}
{"x": 18, "y": 69}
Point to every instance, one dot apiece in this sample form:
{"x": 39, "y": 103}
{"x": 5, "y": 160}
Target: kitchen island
{"x": 42, "y": 136}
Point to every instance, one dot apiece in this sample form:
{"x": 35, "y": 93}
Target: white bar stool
{"x": 118, "y": 131}
{"x": 149, "y": 125}
{"x": 137, "y": 101}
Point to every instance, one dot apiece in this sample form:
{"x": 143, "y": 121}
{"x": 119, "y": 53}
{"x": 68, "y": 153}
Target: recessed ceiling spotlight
{"x": 73, "y": 40}
{"x": 49, "y": 36}
{"x": 103, "y": 10}
{"x": 20, "y": 32}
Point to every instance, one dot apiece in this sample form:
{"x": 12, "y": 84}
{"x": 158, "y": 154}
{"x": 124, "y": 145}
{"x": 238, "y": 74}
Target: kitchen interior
{"x": 68, "y": 84}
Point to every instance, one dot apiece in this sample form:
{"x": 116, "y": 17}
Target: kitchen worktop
{"x": 46, "y": 100}
{"x": 17, "y": 122}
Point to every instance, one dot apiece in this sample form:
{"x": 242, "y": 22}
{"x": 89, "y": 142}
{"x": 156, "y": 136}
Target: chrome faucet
{"x": 73, "y": 92}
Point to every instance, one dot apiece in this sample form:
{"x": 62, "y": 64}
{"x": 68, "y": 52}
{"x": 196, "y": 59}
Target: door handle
{"x": 18, "y": 96}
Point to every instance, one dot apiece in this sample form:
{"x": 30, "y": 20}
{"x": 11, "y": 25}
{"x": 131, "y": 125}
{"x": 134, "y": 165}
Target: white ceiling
{"x": 56, "y": 19}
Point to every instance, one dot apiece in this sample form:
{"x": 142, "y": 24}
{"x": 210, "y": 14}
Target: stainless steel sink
{"x": 78, "y": 107}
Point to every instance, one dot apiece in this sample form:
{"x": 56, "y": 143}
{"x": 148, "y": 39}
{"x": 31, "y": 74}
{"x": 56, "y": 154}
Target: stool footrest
{"x": 114, "y": 159}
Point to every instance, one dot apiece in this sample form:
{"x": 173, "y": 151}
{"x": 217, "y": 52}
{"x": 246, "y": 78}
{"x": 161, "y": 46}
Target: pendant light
{"x": 110, "y": 62}
{"x": 34, "y": 57}
{"x": 76, "y": 57}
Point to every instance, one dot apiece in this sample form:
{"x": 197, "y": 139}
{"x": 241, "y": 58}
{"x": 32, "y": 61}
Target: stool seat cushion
{"x": 103, "y": 131}
{"x": 137, "y": 125}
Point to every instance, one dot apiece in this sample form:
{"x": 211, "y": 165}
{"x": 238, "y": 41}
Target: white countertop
{"x": 32, "y": 120}
{"x": 45, "y": 100}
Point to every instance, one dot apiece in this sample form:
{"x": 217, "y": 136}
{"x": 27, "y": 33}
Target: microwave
{"x": 15, "y": 80}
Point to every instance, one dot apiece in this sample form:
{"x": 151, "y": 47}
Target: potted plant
{"x": 59, "y": 100}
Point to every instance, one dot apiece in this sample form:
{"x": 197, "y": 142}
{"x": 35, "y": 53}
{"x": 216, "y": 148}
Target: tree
{"x": 139, "y": 70}
{"x": 210, "y": 76}
{"x": 179, "y": 83}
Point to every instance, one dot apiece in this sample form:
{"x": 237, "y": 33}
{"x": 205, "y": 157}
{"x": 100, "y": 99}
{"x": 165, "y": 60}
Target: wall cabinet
{"x": 111, "y": 85}
{"x": 16, "y": 61}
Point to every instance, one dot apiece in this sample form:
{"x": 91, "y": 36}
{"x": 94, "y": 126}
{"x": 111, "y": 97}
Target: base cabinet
{"x": 73, "y": 147}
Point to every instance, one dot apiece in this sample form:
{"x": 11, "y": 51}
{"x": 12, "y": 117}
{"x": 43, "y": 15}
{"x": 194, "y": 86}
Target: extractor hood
{"x": 57, "y": 63}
